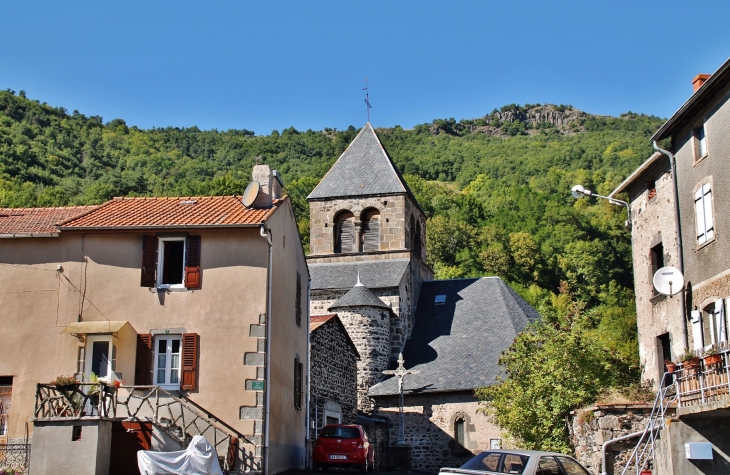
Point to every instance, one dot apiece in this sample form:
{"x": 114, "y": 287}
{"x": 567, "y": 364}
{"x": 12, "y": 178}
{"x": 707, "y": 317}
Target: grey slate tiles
{"x": 456, "y": 345}
{"x": 373, "y": 274}
{"x": 358, "y": 296}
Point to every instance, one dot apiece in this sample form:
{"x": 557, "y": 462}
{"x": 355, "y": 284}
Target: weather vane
{"x": 367, "y": 101}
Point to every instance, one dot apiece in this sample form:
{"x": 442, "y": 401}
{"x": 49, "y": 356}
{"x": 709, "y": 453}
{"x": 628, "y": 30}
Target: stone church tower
{"x": 368, "y": 253}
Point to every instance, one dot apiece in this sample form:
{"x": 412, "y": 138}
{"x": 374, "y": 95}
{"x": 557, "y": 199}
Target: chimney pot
{"x": 699, "y": 80}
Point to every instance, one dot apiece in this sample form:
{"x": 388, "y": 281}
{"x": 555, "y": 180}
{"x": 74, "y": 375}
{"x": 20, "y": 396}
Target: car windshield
{"x": 490, "y": 461}
{"x": 335, "y": 432}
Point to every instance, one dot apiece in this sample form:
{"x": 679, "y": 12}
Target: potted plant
{"x": 689, "y": 360}
{"x": 712, "y": 355}
{"x": 671, "y": 366}
{"x": 67, "y": 385}
{"x": 64, "y": 383}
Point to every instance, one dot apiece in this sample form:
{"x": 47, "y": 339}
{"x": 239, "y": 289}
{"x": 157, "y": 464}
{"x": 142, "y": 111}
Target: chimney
{"x": 271, "y": 185}
{"x": 699, "y": 80}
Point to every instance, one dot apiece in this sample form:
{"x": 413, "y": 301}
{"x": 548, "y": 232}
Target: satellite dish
{"x": 252, "y": 191}
{"x": 668, "y": 281}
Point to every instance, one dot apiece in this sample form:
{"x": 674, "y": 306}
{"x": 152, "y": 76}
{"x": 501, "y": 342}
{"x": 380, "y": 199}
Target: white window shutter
{"x": 707, "y": 201}
{"x": 697, "y": 329}
{"x": 700, "y": 217}
{"x": 720, "y": 321}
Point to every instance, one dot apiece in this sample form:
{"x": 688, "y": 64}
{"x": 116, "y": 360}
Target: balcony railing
{"x": 177, "y": 416}
{"x": 706, "y": 381}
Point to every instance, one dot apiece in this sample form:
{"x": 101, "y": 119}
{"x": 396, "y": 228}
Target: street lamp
{"x": 578, "y": 192}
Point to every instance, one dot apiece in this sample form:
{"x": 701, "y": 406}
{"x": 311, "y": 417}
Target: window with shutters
{"x": 298, "y": 383}
{"x": 714, "y": 330}
{"x": 699, "y": 140}
{"x": 167, "y": 359}
{"x": 370, "y": 231}
{"x": 344, "y": 233}
{"x": 704, "y": 216}
{"x": 656, "y": 258}
{"x": 171, "y": 262}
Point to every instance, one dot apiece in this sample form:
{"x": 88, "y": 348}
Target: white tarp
{"x": 200, "y": 458}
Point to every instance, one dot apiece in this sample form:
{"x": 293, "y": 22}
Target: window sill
{"x": 706, "y": 243}
{"x": 166, "y": 288}
{"x": 697, "y": 161}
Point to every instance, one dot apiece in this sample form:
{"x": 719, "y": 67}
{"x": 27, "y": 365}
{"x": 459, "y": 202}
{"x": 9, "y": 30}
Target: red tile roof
{"x": 36, "y": 221}
{"x": 315, "y": 321}
{"x": 170, "y": 212}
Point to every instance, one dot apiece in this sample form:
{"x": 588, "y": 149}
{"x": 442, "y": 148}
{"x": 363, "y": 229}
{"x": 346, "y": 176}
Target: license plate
{"x": 338, "y": 457}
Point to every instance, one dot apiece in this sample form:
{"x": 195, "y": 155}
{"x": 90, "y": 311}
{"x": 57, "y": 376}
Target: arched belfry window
{"x": 416, "y": 246}
{"x": 370, "y": 231}
{"x": 345, "y": 232}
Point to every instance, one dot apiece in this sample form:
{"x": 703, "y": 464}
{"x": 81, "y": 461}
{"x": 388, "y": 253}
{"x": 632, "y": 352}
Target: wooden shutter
{"x": 192, "y": 263}
{"x": 143, "y": 365}
{"x": 149, "y": 261}
{"x": 371, "y": 233}
{"x": 189, "y": 379}
{"x": 298, "y": 383}
{"x": 345, "y": 236}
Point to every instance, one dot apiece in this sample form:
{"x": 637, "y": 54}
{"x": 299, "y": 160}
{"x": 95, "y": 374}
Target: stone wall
{"x": 430, "y": 422}
{"x": 592, "y": 426}
{"x": 369, "y": 329}
{"x": 333, "y": 375}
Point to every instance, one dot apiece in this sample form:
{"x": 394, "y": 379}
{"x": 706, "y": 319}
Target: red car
{"x": 342, "y": 445}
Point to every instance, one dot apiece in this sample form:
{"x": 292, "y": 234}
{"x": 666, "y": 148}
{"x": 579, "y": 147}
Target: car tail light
{"x": 361, "y": 446}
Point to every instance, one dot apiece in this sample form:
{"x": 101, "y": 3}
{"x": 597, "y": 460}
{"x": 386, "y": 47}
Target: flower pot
{"x": 671, "y": 367}
{"x": 712, "y": 359}
{"x": 692, "y": 363}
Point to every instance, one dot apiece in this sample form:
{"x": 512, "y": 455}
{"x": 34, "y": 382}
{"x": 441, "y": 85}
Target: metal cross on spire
{"x": 400, "y": 372}
{"x": 367, "y": 98}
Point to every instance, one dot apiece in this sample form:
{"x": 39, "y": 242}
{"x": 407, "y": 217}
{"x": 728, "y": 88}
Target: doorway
{"x": 128, "y": 437}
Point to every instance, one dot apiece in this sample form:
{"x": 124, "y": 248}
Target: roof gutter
{"x": 172, "y": 226}
{"x": 678, "y": 230}
{"x": 28, "y": 235}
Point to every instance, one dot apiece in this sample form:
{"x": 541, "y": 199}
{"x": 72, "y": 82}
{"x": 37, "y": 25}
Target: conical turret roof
{"x": 364, "y": 168}
{"x": 359, "y": 296}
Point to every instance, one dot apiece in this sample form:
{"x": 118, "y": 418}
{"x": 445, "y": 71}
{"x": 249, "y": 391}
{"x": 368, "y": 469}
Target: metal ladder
{"x": 644, "y": 451}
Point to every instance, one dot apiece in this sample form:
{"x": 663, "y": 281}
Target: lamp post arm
{"x": 618, "y": 203}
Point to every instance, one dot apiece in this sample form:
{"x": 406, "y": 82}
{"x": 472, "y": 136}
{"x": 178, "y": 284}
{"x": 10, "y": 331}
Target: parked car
{"x": 524, "y": 462}
{"x": 342, "y": 445}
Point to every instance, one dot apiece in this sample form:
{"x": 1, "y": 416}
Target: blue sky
{"x": 270, "y": 65}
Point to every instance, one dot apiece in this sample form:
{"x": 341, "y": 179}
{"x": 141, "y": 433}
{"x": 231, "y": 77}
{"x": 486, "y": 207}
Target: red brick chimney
{"x": 699, "y": 80}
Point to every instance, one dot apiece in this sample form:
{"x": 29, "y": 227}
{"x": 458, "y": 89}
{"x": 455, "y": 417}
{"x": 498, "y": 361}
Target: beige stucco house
{"x": 202, "y": 297}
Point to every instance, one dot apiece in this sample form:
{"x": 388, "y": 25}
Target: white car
{"x": 524, "y": 462}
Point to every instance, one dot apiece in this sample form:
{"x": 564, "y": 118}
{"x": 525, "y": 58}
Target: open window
{"x": 714, "y": 329}
{"x": 699, "y": 139}
{"x": 6, "y": 392}
{"x": 171, "y": 262}
{"x": 101, "y": 357}
{"x": 656, "y": 259}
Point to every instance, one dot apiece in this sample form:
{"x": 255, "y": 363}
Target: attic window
{"x": 440, "y": 300}
{"x": 189, "y": 202}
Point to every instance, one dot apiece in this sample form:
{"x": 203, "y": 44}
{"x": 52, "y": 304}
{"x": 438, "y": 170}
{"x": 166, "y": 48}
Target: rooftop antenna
{"x": 367, "y": 99}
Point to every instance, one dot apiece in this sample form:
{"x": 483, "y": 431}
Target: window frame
{"x": 161, "y": 261}
{"x": 168, "y": 367}
{"x": 714, "y": 319}
{"x": 89, "y": 355}
{"x": 701, "y": 239}
{"x": 699, "y": 136}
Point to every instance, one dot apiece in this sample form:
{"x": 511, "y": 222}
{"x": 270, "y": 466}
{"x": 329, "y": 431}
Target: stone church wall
{"x": 333, "y": 375}
{"x": 369, "y": 329}
{"x": 430, "y": 423}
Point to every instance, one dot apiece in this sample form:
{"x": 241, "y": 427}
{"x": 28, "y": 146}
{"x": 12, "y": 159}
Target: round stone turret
{"x": 367, "y": 320}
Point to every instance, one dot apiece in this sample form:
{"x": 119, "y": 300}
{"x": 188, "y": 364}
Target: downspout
{"x": 678, "y": 230}
{"x": 308, "y": 423}
{"x": 612, "y": 441}
{"x": 267, "y": 369}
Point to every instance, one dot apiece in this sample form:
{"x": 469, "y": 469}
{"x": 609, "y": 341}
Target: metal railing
{"x": 177, "y": 416}
{"x": 704, "y": 380}
{"x": 14, "y": 459}
{"x": 644, "y": 451}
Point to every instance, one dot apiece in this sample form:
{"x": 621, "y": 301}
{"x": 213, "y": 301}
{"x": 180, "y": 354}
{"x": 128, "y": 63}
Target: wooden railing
{"x": 705, "y": 381}
{"x": 177, "y": 416}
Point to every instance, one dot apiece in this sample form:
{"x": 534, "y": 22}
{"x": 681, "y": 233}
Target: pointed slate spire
{"x": 364, "y": 168}
{"x": 358, "y": 284}
{"x": 358, "y": 296}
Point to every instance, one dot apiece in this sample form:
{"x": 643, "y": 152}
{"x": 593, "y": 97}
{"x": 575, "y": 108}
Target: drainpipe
{"x": 307, "y": 418}
{"x": 678, "y": 229}
{"x": 612, "y": 441}
{"x": 267, "y": 369}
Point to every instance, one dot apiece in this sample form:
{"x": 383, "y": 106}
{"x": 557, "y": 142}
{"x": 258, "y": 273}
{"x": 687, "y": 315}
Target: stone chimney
{"x": 699, "y": 80}
{"x": 271, "y": 185}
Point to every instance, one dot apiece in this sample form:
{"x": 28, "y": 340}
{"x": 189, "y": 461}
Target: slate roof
{"x": 359, "y": 296}
{"x": 170, "y": 213}
{"x": 36, "y": 221}
{"x": 373, "y": 274}
{"x": 456, "y": 345}
{"x": 363, "y": 169}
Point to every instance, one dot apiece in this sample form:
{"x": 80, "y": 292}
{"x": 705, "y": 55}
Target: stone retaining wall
{"x": 592, "y": 426}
